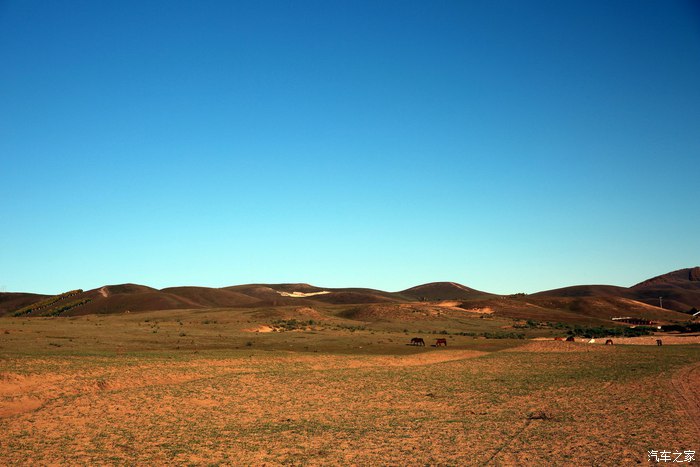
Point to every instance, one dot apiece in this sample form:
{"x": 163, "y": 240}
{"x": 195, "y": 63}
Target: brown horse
{"x": 570, "y": 339}
{"x": 658, "y": 342}
{"x": 609, "y": 342}
{"x": 439, "y": 342}
{"x": 417, "y": 341}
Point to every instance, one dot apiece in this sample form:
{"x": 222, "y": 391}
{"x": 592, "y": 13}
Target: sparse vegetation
{"x": 67, "y": 306}
{"x": 387, "y": 401}
{"x": 34, "y": 307}
{"x": 292, "y": 324}
{"x": 619, "y": 331}
{"x": 682, "y": 328}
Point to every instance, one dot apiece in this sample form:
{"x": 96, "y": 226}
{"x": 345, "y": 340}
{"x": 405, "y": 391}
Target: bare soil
{"x": 529, "y": 405}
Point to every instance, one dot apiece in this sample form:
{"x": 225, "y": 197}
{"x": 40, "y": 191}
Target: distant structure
{"x": 635, "y": 321}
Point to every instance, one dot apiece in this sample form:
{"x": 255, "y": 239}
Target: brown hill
{"x": 309, "y": 295}
{"x": 605, "y": 308}
{"x": 442, "y": 291}
{"x": 294, "y": 287}
{"x": 680, "y": 290}
{"x": 586, "y": 291}
{"x": 129, "y": 297}
{"x": 212, "y": 298}
{"x": 686, "y": 278}
{"x": 589, "y": 310}
{"x": 11, "y": 301}
{"x": 269, "y": 296}
{"x": 341, "y": 297}
{"x": 359, "y": 296}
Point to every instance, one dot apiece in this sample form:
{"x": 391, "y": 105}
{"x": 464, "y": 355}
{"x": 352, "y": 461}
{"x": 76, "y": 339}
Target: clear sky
{"x": 510, "y": 146}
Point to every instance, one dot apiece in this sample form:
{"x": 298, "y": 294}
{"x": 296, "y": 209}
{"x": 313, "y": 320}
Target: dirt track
{"x": 687, "y": 383}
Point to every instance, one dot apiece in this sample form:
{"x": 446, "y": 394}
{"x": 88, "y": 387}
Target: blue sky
{"x": 509, "y": 146}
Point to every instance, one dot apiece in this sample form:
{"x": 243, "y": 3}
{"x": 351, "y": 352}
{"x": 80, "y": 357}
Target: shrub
{"x": 686, "y": 327}
{"x": 67, "y": 306}
{"x": 600, "y": 331}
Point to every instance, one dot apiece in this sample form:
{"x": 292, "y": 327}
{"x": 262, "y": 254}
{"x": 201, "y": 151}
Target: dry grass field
{"x": 202, "y": 388}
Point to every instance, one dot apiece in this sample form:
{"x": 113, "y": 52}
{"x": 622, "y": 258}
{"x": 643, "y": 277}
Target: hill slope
{"x": 442, "y": 291}
{"x": 680, "y": 291}
{"x": 11, "y": 301}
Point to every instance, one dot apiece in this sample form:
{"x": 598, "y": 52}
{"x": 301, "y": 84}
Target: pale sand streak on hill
{"x": 301, "y": 294}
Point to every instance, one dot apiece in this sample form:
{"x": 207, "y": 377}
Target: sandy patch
{"x": 262, "y": 328}
{"x": 19, "y": 405}
{"x": 302, "y": 294}
{"x": 486, "y": 310}
{"x": 449, "y": 304}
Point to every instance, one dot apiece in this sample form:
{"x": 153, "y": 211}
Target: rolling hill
{"x": 11, "y": 301}
{"x": 443, "y": 291}
{"x": 584, "y": 303}
{"x": 679, "y": 290}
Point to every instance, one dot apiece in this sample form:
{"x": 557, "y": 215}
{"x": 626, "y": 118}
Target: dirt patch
{"x": 19, "y": 405}
{"x": 539, "y": 346}
{"x": 686, "y": 383}
{"x": 485, "y": 310}
{"x": 260, "y": 329}
{"x": 432, "y": 407}
{"x": 449, "y": 304}
{"x": 301, "y": 294}
{"x": 457, "y": 306}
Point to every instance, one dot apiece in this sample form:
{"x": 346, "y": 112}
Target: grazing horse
{"x": 658, "y": 342}
{"x": 558, "y": 338}
{"x": 608, "y": 342}
{"x": 439, "y": 342}
{"x": 570, "y": 339}
{"x": 417, "y": 341}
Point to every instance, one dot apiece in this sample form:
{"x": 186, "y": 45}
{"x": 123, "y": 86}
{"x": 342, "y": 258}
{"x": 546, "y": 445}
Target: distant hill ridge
{"x": 681, "y": 276}
{"x": 677, "y": 290}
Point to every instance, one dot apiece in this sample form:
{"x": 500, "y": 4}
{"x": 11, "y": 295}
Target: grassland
{"x": 203, "y": 388}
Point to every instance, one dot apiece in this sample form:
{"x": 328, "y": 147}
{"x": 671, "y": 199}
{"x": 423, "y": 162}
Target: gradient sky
{"x": 510, "y": 146}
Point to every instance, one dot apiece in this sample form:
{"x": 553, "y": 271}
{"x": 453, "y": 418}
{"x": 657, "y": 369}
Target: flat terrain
{"x": 196, "y": 387}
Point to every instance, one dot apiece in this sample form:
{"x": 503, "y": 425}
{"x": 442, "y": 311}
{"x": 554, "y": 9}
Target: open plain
{"x": 211, "y": 387}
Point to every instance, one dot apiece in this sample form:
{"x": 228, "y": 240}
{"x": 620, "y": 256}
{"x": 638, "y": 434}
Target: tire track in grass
{"x": 686, "y": 383}
{"x": 509, "y": 442}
